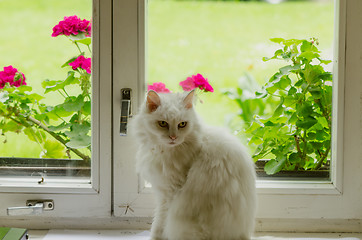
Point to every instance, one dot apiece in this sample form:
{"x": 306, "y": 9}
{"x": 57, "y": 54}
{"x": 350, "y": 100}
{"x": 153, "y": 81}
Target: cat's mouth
{"x": 173, "y": 143}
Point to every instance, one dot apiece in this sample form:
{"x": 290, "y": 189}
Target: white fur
{"x": 204, "y": 182}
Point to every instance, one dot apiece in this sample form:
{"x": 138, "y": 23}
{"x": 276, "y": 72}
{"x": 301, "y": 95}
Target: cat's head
{"x": 169, "y": 118}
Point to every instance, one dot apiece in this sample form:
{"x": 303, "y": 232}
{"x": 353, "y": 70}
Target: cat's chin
{"x": 172, "y": 144}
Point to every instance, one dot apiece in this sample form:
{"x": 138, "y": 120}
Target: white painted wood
{"x": 293, "y": 210}
{"x": 301, "y": 205}
{"x": 128, "y": 72}
{"x": 282, "y": 206}
{"x": 40, "y": 234}
{"x": 80, "y": 198}
{"x": 134, "y": 223}
{"x": 278, "y": 187}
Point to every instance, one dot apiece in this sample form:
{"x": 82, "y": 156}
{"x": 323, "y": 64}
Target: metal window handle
{"x": 125, "y": 110}
{"x": 33, "y": 207}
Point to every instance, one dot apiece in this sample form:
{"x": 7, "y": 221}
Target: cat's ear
{"x": 153, "y": 101}
{"x": 189, "y": 99}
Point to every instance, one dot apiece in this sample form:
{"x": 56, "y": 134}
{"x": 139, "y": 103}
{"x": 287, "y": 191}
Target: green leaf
{"x": 326, "y": 76}
{"x": 269, "y": 124}
{"x": 326, "y": 62}
{"x": 275, "y": 165}
{"x": 86, "y": 41}
{"x": 36, "y": 136}
{"x": 283, "y": 83}
{"x": 254, "y": 126}
{"x": 322, "y": 135}
{"x": 290, "y": 42}
{"x": 56, "y": 112}
{"x": 66, "y": 64}
{"x": 35, "y": 97}
{"x": 24, "y": 88}
{"x": 312, "y": 73}
{"x": 279, "y": 110}
{"x": 60, "y": 127}
{"x": 289, "y": 68}
{"x": 294, "y": 158}
{"x": 305, "y": 109}
{"x": 307, "y": 123}
{"x": 293, "y": 119}
{"x": 308, "y": 47}
{"x": 79, "y": 141}
{"x": 11, "y": 126}
{"x": 272, "y": 89}
{"x": 80, "y": 129}
{"x": 78, "y": 136}
{"x": 53, "y": 149}
{"x": 261, "y": 94}
{"x": 73, "y": 104}
{"x": 316, "y": 92}
{"x": 87, "y": 108}
{"x": 277, "y": 40}
{"x": 52, "y": 85}
{"x": 309, "y": 55}
{"x": 255, "y": 140}
{"x": 323, "y": 121}
{"x": 292, "y": 91}
{"x": 77, "y": 37}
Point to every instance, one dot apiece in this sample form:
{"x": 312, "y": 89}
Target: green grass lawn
{"x": 221, "y": 40}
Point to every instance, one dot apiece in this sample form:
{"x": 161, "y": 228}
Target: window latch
{"x": 33, "y": 207}
{"x": 125, "y": 110}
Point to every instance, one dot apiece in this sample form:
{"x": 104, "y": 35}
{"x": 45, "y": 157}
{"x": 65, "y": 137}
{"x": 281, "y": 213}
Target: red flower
{"x": 82, "y": 62}
{"x": 12, "y": 76}
{"x": 158, "y": 87}
{"x": 196, "y": 81}
{"x": 72, "y": 25}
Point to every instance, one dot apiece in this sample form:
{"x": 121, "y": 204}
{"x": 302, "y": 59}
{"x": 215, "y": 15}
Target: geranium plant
{"x": 298, "y": 134}
{"x": 62, "y": 128}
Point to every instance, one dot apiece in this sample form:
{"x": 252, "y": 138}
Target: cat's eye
{"x": 163, "y": 124}
{"x": 182, "y": 124}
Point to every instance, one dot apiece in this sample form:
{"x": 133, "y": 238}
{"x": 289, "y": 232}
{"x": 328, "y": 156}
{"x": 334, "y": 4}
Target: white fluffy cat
{"x": 203, "y": 178}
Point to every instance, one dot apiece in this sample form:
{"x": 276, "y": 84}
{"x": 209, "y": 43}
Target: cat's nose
{"x": 173, "y": 137}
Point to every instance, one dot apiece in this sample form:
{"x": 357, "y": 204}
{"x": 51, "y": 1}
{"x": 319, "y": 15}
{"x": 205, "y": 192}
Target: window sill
{"x": 50, "y": 185}
{"x": 296, "y": 187}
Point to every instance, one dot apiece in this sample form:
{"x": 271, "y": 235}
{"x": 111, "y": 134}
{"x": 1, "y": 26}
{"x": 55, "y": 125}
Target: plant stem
{"x": 57, "y": 137}
{"x": 61, "y": 93}
{"x": 305, "y": 144}
{"x": 320, "y": 162}
{"x": 78, "y": 47}
{"x": 65, "y": 92}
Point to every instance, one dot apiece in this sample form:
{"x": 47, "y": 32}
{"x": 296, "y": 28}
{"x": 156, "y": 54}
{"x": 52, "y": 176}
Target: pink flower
{"x": 12, "y": 76}
{"x": 82, "y": 62}
{"x": 188, "y": 84}
{"x": 72, "y": 25}
{"x": 158, "y": 87}
{"x": 196, "y": 81}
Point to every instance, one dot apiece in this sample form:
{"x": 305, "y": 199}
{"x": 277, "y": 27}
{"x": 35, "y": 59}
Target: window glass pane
{"x": 45, "y": 88}
{"x": 226, "y": 42}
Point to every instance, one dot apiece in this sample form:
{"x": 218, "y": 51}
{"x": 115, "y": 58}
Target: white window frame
{"x": 76, "y": 198}
{"x": 283, "y": 206}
